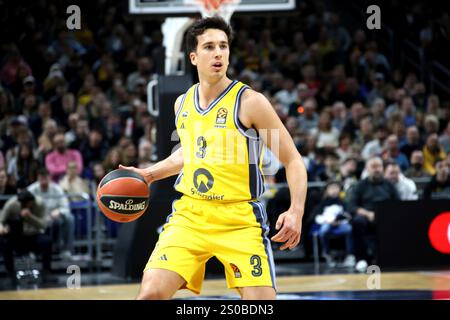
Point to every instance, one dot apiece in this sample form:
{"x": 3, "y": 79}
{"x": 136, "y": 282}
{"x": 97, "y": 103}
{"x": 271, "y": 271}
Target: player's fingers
{"x": 279, "y": 223}
{"x": 127, "y": 168}
{"x": 290, "y": 241}
{"x": 296, "y": 242}
{"x": 283, "y": 235}
{"x": 278, "y": 237}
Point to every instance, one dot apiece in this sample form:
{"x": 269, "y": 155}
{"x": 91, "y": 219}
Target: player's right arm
{"x": 168, "y": 167}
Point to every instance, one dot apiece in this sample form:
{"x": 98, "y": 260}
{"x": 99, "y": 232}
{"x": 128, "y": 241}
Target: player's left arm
{"x": 257, "y": 112}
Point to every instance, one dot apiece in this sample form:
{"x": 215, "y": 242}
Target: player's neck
{"x": 208, "y": 90}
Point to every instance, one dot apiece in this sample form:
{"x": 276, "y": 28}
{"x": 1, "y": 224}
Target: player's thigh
{"x": 257, "y": 293}
{"x": 159, "y": 284}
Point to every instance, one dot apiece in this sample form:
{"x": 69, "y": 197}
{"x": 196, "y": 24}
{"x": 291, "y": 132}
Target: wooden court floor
{"x": 419, "y": 280}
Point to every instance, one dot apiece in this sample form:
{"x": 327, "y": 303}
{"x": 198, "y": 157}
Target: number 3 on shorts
{"x": 255, "y": 261}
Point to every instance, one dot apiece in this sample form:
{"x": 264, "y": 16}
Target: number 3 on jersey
{"x": 255, "y": 261}
{"x": 201, "y": 143}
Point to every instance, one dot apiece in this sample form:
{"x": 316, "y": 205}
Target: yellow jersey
{"x": 222, "y": 158}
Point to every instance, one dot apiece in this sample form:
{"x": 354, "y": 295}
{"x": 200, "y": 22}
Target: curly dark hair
{"x": 200, "y": 26}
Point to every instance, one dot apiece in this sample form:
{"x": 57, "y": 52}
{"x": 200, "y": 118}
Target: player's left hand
{"x": 290, "y": 223}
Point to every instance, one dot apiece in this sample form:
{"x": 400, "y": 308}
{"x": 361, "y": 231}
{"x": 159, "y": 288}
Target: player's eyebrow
{"x": 212, "y": 42}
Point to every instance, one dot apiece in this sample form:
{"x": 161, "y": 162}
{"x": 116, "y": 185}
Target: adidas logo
{"x": 163, "y": 257}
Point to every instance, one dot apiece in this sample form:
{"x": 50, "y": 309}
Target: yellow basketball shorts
{"x": 235, "y": 233}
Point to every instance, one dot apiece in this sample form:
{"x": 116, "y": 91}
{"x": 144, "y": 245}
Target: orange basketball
{"x": 123, "y": 195}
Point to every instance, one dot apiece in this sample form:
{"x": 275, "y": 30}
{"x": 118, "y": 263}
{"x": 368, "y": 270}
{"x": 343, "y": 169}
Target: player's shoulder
{"x": 252, "y": 95}
{"x": 177, "y": 103}
{"x": 252, "y": 99}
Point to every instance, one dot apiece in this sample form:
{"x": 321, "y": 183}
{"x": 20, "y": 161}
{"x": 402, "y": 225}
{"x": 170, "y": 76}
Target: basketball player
{"x": 219, "y": 167}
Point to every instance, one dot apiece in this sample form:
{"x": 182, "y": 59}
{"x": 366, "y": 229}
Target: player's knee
{"x": 258, "y": 293}
{"x": 153, "y": 293}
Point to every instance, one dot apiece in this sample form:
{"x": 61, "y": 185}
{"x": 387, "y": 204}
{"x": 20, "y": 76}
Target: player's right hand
{"x": 139, "y": 171}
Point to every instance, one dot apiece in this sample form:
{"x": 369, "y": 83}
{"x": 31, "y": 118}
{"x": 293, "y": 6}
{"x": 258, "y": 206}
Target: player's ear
{"x": 193, "y": 57}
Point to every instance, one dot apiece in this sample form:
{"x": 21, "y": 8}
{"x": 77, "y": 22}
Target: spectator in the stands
{"x": 58, "y": 210}
{"x": 15, "y": 130}
{"x": 348, "y": 174}
{"x": 444, "y": 139}
{"x": 70, "y": 135}
{"x": 419, "y": 95}
{"x": 344, "y": 150}
{"x": 377, "y": 110}
{"x": 327, "y": 135}
{"x": 433, "y": 105}
{"x": 38, "y": 120}
{"x": 397, "y": 127}
{"x": 45, "y": 140}
{"x": 5, "y": 189}
{"x": 338, "y": 32}
{"x": 12, "y": 66}
{"x": 432, "y": 153}
{"x": 57, "y": 160}
{"x": 94, "y": 149}
{"x": 98, "y": 172}
{"x": 288, "y": 95}
{"x": 373, "y": 59}
{"x": 332, "y": 219}
{"x": 408, "y": 111}
{"x": 392, "y": 152}
{"x": 413, "y": 141}
{"x": 439, "y": 186}
{"x": 23, "y": 221}
{"x": 396, "y": 105}
{"x": 72, "y": 182}
{"x": 365, "y": 133}
{"x": 309, "y": 119}
{"x": 339, "y": 111}
{"x": 331, "y": 169}
{"x": 129, "y": 155}
{"x": 112, "y": 159}
{"x": 144, "y": 71}
{"x": 416, "y": 168}
{"x": 145, "y": 152}
{"x": 431, "y": 124}
{"x": 303, "y": 93}
{"x": 357, "y": 111}
{"x": 81, "y": 133}
{"x": 361, "y": 204}
{"x": 406, "y": 188}
{"x": 23, "y": 167}
{"x": 378, "y": 88}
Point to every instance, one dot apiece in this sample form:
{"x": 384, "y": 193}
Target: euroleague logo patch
{"x": 439, "y": 233}
{"x": 221, "y": 116}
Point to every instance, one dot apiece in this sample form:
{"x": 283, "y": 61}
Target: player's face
{"x": 212, "y": 54}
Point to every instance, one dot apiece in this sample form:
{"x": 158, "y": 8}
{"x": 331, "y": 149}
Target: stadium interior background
{"x": 338, "y": 87}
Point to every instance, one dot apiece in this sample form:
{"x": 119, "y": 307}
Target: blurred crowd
{"x": 73, "y": 106}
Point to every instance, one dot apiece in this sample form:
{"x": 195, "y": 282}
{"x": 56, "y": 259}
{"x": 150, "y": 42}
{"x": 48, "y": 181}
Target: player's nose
{"x": 218, "y": 52}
